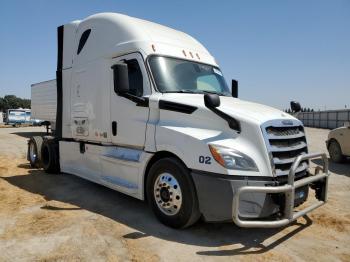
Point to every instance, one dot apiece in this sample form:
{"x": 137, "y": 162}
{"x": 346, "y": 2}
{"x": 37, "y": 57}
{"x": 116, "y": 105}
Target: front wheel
{"x": 171, "y": 193}
{"x": 335, "y": 152}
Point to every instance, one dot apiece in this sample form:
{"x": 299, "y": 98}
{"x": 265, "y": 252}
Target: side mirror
{"x": 234, "y": 88}
{"x": 295, "y": 106}
{"x": 121, "y": 78}
{"x": 211, "y": 100}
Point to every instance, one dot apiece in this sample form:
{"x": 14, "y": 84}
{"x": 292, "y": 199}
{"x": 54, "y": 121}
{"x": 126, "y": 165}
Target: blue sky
{"x": 278, "y": 50}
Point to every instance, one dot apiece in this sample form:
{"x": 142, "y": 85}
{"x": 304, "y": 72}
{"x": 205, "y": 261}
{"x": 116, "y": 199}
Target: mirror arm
{"x": 140, "y": 101}
{"x": 232, "y": 122}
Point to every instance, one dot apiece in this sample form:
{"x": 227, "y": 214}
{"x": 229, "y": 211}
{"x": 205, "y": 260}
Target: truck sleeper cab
{"x": 145, "y": 110}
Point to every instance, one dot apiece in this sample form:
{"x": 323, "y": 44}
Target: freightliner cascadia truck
{"x": 145, "y": 110}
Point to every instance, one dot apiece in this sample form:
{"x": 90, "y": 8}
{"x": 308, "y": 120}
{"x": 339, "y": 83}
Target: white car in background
{"x": 338, "y": 143}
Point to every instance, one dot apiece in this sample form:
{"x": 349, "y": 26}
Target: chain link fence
{"x": 325, "y": 119}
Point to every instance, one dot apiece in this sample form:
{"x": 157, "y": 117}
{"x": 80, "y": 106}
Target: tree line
{"x": 13, "y": 102}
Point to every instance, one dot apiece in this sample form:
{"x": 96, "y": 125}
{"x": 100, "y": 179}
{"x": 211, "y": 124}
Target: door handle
{"x": 114, "y": 128}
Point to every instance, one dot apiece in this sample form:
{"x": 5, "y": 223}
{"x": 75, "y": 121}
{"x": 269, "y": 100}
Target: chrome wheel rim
{"x": 167, "y": 194}
{"x": 32, "y": 152}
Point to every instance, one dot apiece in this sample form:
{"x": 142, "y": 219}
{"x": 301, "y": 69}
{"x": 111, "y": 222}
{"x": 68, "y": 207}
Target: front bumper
{"x": 248, "y": 201}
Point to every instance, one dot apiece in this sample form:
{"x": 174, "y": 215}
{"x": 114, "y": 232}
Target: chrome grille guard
{"x": 288, "y": 189}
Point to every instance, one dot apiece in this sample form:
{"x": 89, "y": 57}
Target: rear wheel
{"x": 335, "y": 152}
{"x": 171, "y": 193}
{"x": 50, "y": 156}
{"x": 34, "y": 151}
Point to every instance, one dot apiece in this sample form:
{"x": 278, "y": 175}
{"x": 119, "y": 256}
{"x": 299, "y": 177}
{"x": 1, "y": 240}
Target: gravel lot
{"x": 62, "y": 217}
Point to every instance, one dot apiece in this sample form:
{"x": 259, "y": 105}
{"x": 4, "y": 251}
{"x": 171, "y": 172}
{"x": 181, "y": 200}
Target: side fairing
{"x": 89, "y": 102}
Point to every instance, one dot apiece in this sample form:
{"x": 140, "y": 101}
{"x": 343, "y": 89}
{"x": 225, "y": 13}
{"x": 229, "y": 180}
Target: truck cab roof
{"x": 126, "y": 34}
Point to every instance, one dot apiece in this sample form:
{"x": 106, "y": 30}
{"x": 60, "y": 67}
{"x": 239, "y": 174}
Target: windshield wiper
{"x": 213, "y": 92}
{"x": 186, "y": 91}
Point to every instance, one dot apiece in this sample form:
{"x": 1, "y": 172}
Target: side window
{"x": 84, "y": 37}
{"x": 135, "y": 77}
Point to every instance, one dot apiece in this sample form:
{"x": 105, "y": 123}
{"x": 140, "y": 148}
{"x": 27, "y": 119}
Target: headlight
{"x": 232, "y": 159}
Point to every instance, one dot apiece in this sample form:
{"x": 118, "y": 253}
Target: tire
{"x": 50, "y": 156}
{"x": 34, "y": 151}
{"x": 171, "y": 193}
{"x": 335, "y": 152}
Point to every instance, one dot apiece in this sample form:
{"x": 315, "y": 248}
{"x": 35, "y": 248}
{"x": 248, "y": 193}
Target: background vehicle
{"x": 1, "y": 117}
{"x": 28, "y": 116}
{"x": 15, "y": 117}
{"x": 36, "y": 122}
{"x": 338, "y": 143}
{"x": 145, "y": 110}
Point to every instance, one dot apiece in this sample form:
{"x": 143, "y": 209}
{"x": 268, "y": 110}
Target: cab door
{"x": 121, "y": 162}
{"x": 129, "y": 118}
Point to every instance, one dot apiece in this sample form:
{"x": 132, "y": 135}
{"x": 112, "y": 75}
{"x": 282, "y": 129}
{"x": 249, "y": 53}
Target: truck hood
{"x": 237, "y": 108}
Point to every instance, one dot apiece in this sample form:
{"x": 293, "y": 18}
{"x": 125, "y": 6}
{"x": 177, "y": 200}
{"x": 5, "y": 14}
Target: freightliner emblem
{"x": 287, "y": 122}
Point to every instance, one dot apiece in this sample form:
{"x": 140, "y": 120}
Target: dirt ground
{"x": 62, "y": 217}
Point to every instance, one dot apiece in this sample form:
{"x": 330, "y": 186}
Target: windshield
{"x": 174, "y": 75}
{"x": 16, "y": 113}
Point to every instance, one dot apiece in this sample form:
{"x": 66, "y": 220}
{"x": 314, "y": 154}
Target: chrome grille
{"x": 284, "y": 144}
{"x": 283, "y": 131}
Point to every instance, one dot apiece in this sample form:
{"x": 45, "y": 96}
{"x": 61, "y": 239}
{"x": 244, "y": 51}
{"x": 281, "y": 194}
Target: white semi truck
{"x": 145, "y": 110}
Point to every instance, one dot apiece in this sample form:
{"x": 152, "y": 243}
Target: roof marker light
{"x": 191, "y": 54}
{"x": 198, "y": 56}
{"x": 154, "y": 48}
{"x": 183, "y": 51}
